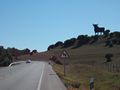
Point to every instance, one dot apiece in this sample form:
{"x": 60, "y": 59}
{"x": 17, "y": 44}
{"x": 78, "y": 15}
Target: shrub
{"x": 59, "y": 43}
{"x": 106, "y": 33}
{"x": 69, "y": 42}
{"x": 108, "y": 57}
{"x": 51, "y": 47}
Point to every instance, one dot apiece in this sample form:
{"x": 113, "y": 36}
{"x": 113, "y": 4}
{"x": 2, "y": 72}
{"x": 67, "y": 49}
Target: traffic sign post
{"x": 64, "y": 55}
{"x": 64, "y": 68}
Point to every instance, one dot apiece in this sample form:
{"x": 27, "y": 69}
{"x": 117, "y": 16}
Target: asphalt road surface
{"x": 30, "y": 76}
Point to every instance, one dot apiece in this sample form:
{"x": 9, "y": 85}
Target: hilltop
{"x": 93, "y": 47}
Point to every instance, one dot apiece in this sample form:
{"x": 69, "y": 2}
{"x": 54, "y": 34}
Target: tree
{"x": 69, "y": 42}
{"x": 82, "y": 39}
{"x": 59, "y": 43}
{"x": 1, "y": 47}
{"x": 5, "y": 58}
{"x": 34, "y": 51}
{"x": 15, "y": 53}
{"x": 51, "y": 47}
{"x": 1, "y": 50}
{"x": 26, "y": 51}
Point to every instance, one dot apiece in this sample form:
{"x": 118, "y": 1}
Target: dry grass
{"x": 81, "y": 74}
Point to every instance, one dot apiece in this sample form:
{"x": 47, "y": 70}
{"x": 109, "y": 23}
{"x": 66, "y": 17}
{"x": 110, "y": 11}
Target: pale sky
{"x": 36, "y": 24}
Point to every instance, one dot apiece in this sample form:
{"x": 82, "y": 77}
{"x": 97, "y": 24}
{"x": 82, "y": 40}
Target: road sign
{"x": 64, "y": 54}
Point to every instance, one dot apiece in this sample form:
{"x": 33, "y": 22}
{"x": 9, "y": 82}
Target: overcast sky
{"x": 36, "y": 24}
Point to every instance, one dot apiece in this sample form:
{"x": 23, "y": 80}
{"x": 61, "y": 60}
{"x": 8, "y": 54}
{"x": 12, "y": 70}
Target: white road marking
{"x": 40, "y": 80}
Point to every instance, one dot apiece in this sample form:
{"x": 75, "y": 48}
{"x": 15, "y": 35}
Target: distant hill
{"x": 90, "y": 48}
{"x": 73, "y": 43}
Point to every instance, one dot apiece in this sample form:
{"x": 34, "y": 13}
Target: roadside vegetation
{"x": 90, "y": 56}
{"x": 9, "y": 55}
{"x": 78, "y": 77}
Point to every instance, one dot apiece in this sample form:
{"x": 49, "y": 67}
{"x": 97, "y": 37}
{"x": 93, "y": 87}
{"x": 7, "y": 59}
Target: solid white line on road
{"x": 40, "y": 80}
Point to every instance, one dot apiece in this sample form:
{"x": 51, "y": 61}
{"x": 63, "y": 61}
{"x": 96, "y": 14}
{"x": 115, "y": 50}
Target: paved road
{"x": 30, "y": 76}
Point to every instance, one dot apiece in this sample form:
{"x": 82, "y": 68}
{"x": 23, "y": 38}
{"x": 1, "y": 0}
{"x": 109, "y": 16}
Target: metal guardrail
{"x": 15, "y": 63}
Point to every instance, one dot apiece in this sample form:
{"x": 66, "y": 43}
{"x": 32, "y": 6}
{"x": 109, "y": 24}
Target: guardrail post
{"x": 92, "y": 83}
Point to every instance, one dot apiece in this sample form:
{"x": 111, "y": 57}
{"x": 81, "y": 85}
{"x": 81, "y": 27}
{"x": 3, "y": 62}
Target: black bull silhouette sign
{"x": 98, "y": 30}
